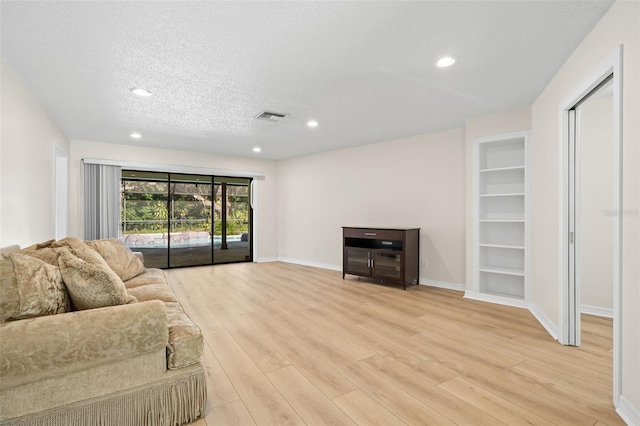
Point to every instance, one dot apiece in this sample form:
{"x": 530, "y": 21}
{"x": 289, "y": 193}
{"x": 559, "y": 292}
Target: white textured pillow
{"x": 91, "y": 285}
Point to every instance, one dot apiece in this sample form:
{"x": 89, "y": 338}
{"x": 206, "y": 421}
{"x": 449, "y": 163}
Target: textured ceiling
{"x": 364, "y": 70}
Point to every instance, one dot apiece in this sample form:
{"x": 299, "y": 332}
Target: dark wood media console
{"x": 388, "y": 254}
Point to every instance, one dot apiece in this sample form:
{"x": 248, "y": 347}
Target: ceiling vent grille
{"x": 270, "y": 116}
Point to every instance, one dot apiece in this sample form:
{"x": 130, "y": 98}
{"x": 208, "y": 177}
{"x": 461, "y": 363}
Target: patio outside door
{"x": 180, "y": 220}
{"x": 190, "y": 236}
{"x": 232, "y": 220}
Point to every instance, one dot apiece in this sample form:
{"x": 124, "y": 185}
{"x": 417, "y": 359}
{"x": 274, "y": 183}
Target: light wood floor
{"x": 288, "y": 344}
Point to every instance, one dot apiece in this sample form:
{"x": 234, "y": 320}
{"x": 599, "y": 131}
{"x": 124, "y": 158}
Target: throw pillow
{"x": 38, "y": 246}
{"x": 91, "y": 285}
{"x": 70, "y": 242}
{"x": 30, "y": 288}
{"x": 50, "y": 254}
{"x": 119, "y": 258}
{"x": 47, "y": 255}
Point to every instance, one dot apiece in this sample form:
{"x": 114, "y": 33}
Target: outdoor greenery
{"x": 144, "y": 207}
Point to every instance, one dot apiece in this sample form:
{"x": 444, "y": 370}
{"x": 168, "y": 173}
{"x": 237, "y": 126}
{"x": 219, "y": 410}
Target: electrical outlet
{"x": 423, "y": 263}
{"x": 315, "y": 251}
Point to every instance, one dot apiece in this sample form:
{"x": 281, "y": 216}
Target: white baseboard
{"x": 432, "y": 283}
{"x": 597, "y": 311}
{"x": 310, "y": 263}
{"x": 629, "y": 412}
{"x": 496, "y": 299}
{"x": 551, "y": 328}
{"x": 266, "y": 259}
{"x": 442, "y": 284}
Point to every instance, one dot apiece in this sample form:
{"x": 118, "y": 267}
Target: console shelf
{"x": 387, "y": 254}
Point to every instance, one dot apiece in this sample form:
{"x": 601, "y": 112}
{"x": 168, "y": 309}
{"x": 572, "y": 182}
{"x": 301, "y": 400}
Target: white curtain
{"x": 101, "y": 201}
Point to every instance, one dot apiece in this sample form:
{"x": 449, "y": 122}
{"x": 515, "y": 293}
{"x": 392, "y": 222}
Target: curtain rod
{"x": 172, "y": 168}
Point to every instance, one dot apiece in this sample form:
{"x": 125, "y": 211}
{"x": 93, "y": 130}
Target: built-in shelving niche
{"x": 500, "y": 197}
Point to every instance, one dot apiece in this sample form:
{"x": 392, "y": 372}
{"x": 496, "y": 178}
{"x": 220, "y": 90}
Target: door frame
{"x": 569, "y": 292}
{"x": 61, "y": 192}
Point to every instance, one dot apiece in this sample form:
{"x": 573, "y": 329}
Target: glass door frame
{"x": 169, "y": 181}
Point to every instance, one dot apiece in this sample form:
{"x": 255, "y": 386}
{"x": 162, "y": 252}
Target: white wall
{"x": 265, "y": 213}
{"x": 27, "y": 165}
{"x": 479, "y": 127}
{"x": 596, "y": 200}
{"x": 618, "y": 26}
{"x": 416, "y": 182}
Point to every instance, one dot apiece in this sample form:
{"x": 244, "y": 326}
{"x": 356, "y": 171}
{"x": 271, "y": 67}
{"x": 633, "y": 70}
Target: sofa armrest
{"x": 55, "y": 345}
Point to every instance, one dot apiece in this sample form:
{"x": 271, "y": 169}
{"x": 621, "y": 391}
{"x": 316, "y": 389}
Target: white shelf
{"x": 500, "y": 217}
{"x": 502, "y": 270}
{"x": 501, "y": 169}
{"x": 515, "y": 194}
{"x": 499, "y": 294}
{"x": 502, "y": 233}
{"x": 508, "y": 181}
{"x": 505, "y": 246}
{"x": 504, "y": 285}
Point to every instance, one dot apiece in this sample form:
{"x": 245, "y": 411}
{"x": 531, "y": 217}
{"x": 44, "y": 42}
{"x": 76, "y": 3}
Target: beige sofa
{"x": 133, "y": 361}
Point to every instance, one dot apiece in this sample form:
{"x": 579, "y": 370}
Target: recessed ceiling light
{"x": 257, "y": 149}
{"x": 312, "y": 123}
{"x": 140, "y": 91}
{"x": 446, "y": 61}
{"x": 136, "y": 135}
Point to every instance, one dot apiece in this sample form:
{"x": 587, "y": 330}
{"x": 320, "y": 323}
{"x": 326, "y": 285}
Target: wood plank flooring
{"x": 289, "y": 344}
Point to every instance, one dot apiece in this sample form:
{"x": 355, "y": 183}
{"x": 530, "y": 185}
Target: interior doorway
{"x": 594, "y": 230}
{"x": 61, "y": 192}
{"x": 586, "y": 220}
{"x": 591, "y": 205}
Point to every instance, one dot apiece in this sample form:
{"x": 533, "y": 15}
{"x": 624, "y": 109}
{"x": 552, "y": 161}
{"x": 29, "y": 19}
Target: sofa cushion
{"x": 150, "y": 276}
{"x": 185, "y": 339}
{"x": 38, "y": 348}
{"x": 30, "y": 288}
{"x": 119, "y": 258}
{"x": 160, "y": 291}
{"x": 91, "y": 285}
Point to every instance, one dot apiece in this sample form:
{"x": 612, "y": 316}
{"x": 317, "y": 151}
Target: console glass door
{"x": 358, "y": 261}
{"x": 387, "y": 265}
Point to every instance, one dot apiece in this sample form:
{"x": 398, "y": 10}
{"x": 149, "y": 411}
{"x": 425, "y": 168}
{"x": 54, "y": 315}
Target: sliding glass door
{"x": 186, "y": 220}
{"x": 233, "y": 218}
{"x": 190, "y": 239}
{"x": 145, "y": 213}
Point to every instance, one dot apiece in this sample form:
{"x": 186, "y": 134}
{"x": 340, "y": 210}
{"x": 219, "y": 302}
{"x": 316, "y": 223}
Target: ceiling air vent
{"x": 270, "y": 116}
